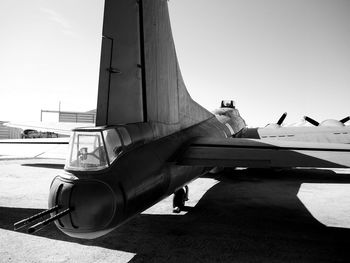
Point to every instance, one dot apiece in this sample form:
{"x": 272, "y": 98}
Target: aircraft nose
{"x": 92, "y": 203}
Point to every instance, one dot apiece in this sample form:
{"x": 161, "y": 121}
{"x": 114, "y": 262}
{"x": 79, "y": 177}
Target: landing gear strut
{"x": 180, "y": 197}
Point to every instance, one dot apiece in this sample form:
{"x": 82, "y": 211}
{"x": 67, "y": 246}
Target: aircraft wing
{"x": 60, "y": 128}
{"x": 52, "y": 148}
{"x": 233, "y": 152}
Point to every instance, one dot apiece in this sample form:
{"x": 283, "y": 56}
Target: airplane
{"x": 328, "y": 131}
{"x": 151, "y": 138}
{"x": 62, "y": 128}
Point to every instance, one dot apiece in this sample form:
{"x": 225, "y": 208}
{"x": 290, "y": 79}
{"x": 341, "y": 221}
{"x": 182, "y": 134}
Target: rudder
{"x": 141, "y": 81}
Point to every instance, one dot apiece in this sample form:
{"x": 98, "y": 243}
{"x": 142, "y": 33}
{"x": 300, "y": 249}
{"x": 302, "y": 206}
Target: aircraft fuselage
{"x": 144, "y": 172}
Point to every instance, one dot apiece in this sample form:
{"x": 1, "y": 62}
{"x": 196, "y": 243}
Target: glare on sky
{"x": 50, "y": 52}
{"x": 269, "y": 56}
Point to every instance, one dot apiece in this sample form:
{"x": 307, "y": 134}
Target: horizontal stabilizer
{"x": 50, "y": 148}
{"x": 224, "y": 152}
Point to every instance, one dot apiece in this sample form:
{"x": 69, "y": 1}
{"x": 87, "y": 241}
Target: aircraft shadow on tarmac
{"x": 251, "y": 215}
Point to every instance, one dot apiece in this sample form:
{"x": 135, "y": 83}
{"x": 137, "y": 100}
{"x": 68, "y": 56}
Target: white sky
{"x": 269, "y": 56}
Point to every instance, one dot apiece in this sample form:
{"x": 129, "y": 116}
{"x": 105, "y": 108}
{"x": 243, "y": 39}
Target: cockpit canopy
{"x": 96, "y": 148}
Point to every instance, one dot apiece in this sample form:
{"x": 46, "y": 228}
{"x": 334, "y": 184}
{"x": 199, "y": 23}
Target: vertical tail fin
{"x": 140, "y": 79}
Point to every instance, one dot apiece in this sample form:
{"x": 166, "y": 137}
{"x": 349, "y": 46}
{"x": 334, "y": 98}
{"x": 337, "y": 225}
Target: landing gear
{"x": 216, "y": 170}
{"x": 180, "y": 197}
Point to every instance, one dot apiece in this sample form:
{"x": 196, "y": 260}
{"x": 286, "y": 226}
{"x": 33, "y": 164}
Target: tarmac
{"x": 244, "y": 215}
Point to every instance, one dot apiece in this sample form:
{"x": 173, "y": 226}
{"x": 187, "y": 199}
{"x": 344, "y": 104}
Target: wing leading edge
{"x": 224, "y": 152}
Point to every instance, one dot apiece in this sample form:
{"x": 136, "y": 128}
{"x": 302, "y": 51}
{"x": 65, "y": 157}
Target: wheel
{"x": 180, "y": 197}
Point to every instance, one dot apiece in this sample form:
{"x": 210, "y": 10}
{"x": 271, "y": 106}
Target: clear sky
{"x": 269, "y": 56}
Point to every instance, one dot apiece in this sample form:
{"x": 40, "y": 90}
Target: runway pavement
{"x": 236, "y": 216}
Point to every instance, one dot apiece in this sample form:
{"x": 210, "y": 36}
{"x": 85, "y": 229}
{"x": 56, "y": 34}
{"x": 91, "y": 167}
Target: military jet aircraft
{"x": 151, "y": 139}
